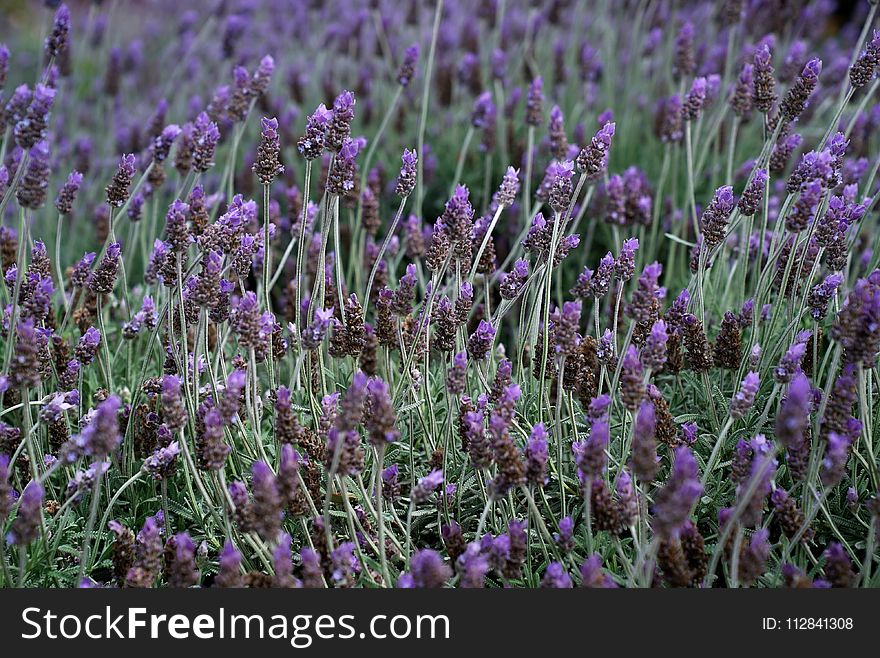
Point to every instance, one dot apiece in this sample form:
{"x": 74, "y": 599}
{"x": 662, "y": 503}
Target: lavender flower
{"x": 26, "y": 526}
{"x": 821, "y": 294}
{"x": 32, "y": 127}
{"x": 715, "y": 217}
{"x": 764, "y": 85}
{"x": 590, "y": 454}
{"x": 181, "y": 568}
{"x": 103, "y": 279}
{"x": 741, "y": 99}
{"x": 268, "y": 165}
{"x": 536, "y": 455}
{"x": 205, "y": 137}
{"x": 791, "y": 360}
{"x": 408, "y": 65}
{"x": 684, "y": 63}
{"x": 653, "y": 355}
{"x": 565, "y": 537}
{"x": 426, "y": 486}
{"x": 5, "y": 489}
{"x": 118, "y": 189}
{"x": 480, "y": 342}
{"x": 644, "y": 445}
{"x": 753, "y": 560}
{"x": 673, "y": 503}
{"x": 535, "y": 102}
{"x": 743, "y": 400}
{"x": 229, "y": 574}
{"x": 381, "y": 422}
{"x": 833, "y": 465}
{"x": 625, "y": 265}
{"x": 427, "y": 570}
{"x": 753, "y": 195}
{"x": 592, "y": 161}
{"x": 793, "y": 417}
{"x": 512, "y": 282}
{"x": 87, "y": 347}
{"x": 31, "y": 191}
{"x": 556, "y": 577}
{"x": 173, "y": 409}
{"x": 632, "y": 386}
{"x": 311, "y": 144}
{"x": 509, "y": 188}
{"x": 267, "y": 501}
{"x": 314, "y": 334}
{"x": 798, "y": 95}
{"x": 101, "y": 436}
{"x": 601, "y": 279}
{"x": 694, "y": 101}
{"x": 406, "y": 181}
{"x": 162, "y": 463}
{"x": 592, "y": 575}
{"x": 339, "y": 129}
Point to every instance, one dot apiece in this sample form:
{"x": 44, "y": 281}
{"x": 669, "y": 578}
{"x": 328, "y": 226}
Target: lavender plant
{"x": 446, "y": 295}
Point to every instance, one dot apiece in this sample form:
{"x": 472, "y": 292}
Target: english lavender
{"x": 694, "y": 101}
{"x": 103, "y": 279}
{"x": 480, "y": 342}
{"x": 535, "y": 102}
{"x": 118, "y": 189}
{"x": 229, "y": 574}
{"x": 406, "y": 180}
{"x": 632, "y": 386}
{"x": 793, "y": 417}
{"x": 26, "y": 526}
{"x": 716, "y": 216}
{"x": 204, "y": 138}
{"x": 753, "y": 195}
{"x": 268, "y": 165}
{"x": 590, "y": 454}
{"x": 32, "y": 127}
{"x": 311, "y": 144}
{"x": 592, "y": 161}
{"x": 512, "y": 282}
{"x": 173, "y": 410}
{"x": 339, "y": 128}
{"x": 438, "y": 352}
{"x": 795, "y": 101}
{"x": 381, "y": 419}
{"x": 684, "y": 63}
{"x": 764, "y": 84}
{"x": 644, "y": 446}
{"x": 267, "y": 501}
{"x": 536, "y": 455}
{"x": 742, "y": 401}
{"x": 31, "y": 191}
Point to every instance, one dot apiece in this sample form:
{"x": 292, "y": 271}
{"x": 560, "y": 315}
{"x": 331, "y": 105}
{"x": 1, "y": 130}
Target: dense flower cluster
{"x": 523, "y": 294}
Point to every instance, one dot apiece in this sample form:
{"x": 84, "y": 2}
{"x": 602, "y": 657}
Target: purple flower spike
{"x": 26, "y": 527}
{"x": 536, "y": 456}
{"x": 673, "y": 503}
{"x": 408, "y": 65}
{"x": 644, "y": 444}
{"x": 425, "y": 486}
{"x": 481, "y": 341}
{"x": 745, "y": 397}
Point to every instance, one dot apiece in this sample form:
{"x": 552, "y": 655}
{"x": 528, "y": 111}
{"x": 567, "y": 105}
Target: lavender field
{"x": 439, "y": 293}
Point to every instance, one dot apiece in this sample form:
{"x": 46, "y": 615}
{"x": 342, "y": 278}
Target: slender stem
{"x": 381, "y": 253}
{"x": 426, "y": 92}
{"x": 86, "y": 561}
